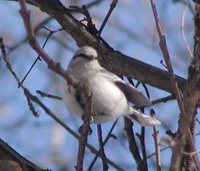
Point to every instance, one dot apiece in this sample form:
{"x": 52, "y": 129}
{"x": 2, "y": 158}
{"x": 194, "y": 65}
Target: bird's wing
{"x": 108, "y": 75}
{"x": 133, "y": 95}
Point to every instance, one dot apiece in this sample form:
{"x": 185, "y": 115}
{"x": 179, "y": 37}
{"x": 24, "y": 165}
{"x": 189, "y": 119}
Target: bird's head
{"x": 85, "y": 57}
{"x": 86, "y": 52}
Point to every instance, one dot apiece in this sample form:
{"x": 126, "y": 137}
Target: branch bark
{"x": 191, "y": 97}
{"x": 11, "y": 160}
{"x": 133, "y": 147}
{"x": 111, "y": 59}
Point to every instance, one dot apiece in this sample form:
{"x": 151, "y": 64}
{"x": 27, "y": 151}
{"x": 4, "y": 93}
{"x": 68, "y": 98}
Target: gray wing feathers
{"x": 133, "y": 95}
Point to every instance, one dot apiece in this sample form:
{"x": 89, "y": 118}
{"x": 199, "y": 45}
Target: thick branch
{"x": 11, "y": 160}
{"x": 109, "y": 58}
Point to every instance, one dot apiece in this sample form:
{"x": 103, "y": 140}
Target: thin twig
{"x": 30, "y": 104}
{"x": 156, "y": 142}
{"x": 101, "y": 147}
{"x": 186, "y": 2}
{"x": 141, "y": 138}
{"x": 198, "y": 120}
{"x": 35, "y": 45}
{"x": 153, "y": 154}
{"x": 38, "y": 57}
{"x": 104, "y": 143}
{"x": 43, "y": 94}
{"x": 9, "y": 66}
{"x": 141, "y": 163}
{"x": 163, "y": 64}
{"x": 146, "y": 90}
{"x": 3, "y": 51}
{"x": 84, "y": 133}
{"x": 112, "y": 7}
{"x": 165, "y": 52}
{"x": 182, "y": 30}
{"x": 83, "y": 10}
{"x": 132, "y": 144}
{"x": 165, "y": 148}
{"x": 191, "y": 153}
{"x": 90, "y": 25}
{"x": 164, "y": 99}
{"x": 35, "y": 30}
{"x": 93, "y": 3}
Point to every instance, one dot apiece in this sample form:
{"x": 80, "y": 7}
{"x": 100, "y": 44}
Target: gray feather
{"x": 133, "y": 95}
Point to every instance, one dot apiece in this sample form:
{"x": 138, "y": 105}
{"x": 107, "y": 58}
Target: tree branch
{"x": 101, "y": 148}
{"x": 187, "y": 108}
{"x": 132, "y": 145}
{"x": 156, "y": 142}
{"x": 112, "y": 7}
{"x": 11, "y": 160}
{"x": 111, "y": 59}
{"x": 109, "y": 135}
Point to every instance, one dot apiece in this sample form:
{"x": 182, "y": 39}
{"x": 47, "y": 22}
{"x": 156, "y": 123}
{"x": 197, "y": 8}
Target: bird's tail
{"x": 143, "y": 119}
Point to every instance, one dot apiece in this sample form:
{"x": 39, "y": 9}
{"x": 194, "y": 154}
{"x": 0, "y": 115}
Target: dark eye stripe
{"x": 85, "y": 56}
{"x": 80, "y": 55}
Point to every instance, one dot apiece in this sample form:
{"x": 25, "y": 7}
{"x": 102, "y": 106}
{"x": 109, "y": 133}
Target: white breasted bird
{"x": 111, "y": 96}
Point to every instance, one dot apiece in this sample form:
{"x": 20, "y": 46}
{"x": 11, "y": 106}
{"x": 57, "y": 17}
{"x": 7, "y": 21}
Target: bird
{"x": 111, "y": 98}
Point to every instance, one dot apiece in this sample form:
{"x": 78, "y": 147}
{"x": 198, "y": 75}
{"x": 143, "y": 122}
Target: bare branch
{"x": 191, "y": 153}
{"x": 153, "y": 154}
{"x": 38, "y": 57}
{"x": 112, "y": 7}
{"x": 163, "y": 46}
{"x": 182, "y": 30}
{"x": 132, "y": 145}
{"x": 141, "y": 138}
{"x": 164, "y": 100}
{"x": 186, "y": 134}
{"x": 43, "y": 94}
{"x": 105, "y": 165}
{"x": 84, "y": 132}
{"x": 109, "y": 135}
{"x": 11, "y": 160}
{"x": 156, "y": 142}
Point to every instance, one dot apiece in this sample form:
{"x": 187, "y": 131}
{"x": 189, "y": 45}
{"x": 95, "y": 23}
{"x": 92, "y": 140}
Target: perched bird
{"x": 111, "y": 96}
